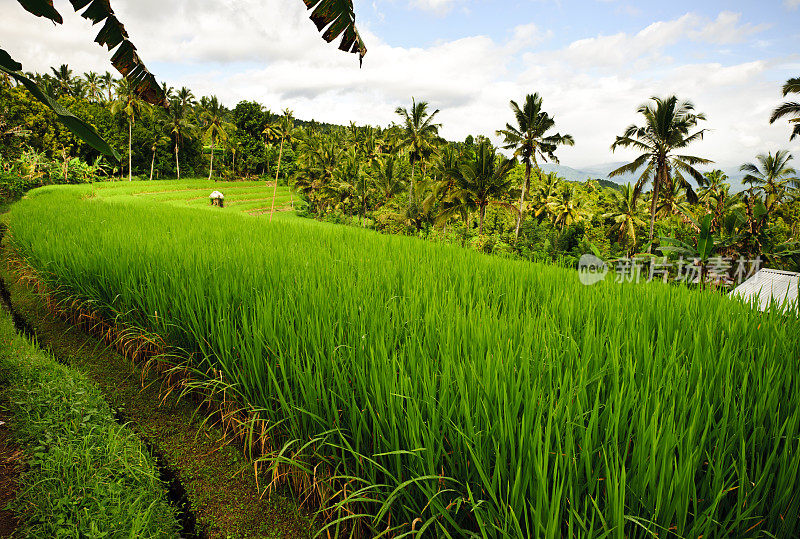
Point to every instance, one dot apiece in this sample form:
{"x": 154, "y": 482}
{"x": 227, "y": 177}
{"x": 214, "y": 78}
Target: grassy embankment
{"x": 450, "y": 391}
{"x": 86, "y": 475}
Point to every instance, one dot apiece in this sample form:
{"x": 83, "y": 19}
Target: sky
{"x": 592, "y": 61}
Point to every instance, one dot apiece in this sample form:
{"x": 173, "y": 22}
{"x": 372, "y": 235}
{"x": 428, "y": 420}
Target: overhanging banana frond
{"x": 80, "y": 128}
{"x": 112, "y": 35}
{"x": 339, "y": 18}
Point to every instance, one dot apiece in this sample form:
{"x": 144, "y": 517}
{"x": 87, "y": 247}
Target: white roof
{"x": 768, "y": 285}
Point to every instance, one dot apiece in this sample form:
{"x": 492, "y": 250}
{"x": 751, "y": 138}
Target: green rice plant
{"x": 419, "y": 388}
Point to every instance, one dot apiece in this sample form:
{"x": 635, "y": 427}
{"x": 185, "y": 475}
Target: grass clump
{"x": 87, "y": 475}
{"x": 444, "y": 392}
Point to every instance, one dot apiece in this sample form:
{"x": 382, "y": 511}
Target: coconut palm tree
{"x": 93, "y": 86}
{"x": 790, "y": 108}
{"x": 107, "y": 83}
{"x": 284, "y": 131}
{"x": 626, "y": 215}
{"x": 530, "y": 141}
{"x": 156, "y": 138}
{"x": 567, "y": 208}
{"x": 542, "y": 193}
{"x": 186, "y": 98}
{"x": 770, "y": 177}
{"x": 665, "y": 132}
{"x": 129, "y": 103}
{"x": 715, "y": 180}
{"x": 180, "y": 127}
{"x": 419, "y": 135}
{"x": 482, "y": 180}
{"x": 63, "y": 76}
{"x": 216, "y": 128}
{"x": 389, "y": 176}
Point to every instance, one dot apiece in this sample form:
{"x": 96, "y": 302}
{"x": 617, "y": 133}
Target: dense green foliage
{"x": 355, "y": 174}
{"x": 86, "y": 475}
{"x": 459, "y": 393}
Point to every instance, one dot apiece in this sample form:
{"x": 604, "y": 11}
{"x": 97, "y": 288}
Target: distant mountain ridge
{"x": 602, "y": 170}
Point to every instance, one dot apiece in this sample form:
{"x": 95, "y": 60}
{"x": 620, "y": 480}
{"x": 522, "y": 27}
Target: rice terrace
{"x": 392, "y": 310}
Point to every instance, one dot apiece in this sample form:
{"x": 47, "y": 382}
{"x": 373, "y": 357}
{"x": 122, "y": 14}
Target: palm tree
{"x": 542, "y": 193}
{"x": 128, "y": 102}
{"x": 319, "y": 159}
{"x": 156, "y": 138}
{"x": 626, "y": 216}
{"x": 63, "y": 76}
{"x": 107, "y": 82}
{"x": 673, "y": 201}
{"x": 180, "y": 127}
{"x": 169, "y": 91}
{"x": 283, "y": 129}
{"x": 389, "y": 176}
{"x": 216, "y": 128}
{"x": 529, "y": 140}
{"x": 666, "y": 130}
{"x": 483, "y": 179}
{"x": 93, "y": 86}
{"x": 770, "y": 177}
{"x": 419, "y": 135}
{"x": 715, "y": 180}
{"x": 792, "y": 108}
{"x": 567, "y": 208}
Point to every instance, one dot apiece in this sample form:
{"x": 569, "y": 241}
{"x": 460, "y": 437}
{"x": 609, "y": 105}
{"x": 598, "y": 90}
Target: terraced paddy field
{"x": 251, "y": 197}
{"x": 408, "y": 388}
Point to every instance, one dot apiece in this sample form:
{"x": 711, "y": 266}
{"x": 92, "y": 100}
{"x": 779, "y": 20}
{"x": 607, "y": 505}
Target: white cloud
{"x": 726, "y": 29}
{"x": 791, "y": 4}
{"x": 440, "y": 7}
{"x": 268, "y": 50}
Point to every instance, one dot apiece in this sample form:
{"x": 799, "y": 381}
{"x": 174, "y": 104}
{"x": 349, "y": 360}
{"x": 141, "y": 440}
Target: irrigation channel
{"x": 176, "y": 492}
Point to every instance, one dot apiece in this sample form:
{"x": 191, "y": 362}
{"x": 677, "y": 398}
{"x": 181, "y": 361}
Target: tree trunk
{"x": 522, "y": 199}
{"x": 656, "y": 183}
{"x": 411, "y": 187}
{"x": 130, "y": 144}
{"x": 177, "y": 163}
{"x": 152, "y": 164}
{"x": 480, "y": 225}
{"x": 211, "y": 168}
{"x": 275, "y": 191}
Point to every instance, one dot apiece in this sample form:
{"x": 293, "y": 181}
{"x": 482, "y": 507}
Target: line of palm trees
{"x": 446, "y": 180}
{"x": 365, "y": 168}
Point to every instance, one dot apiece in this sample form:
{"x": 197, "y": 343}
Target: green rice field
{"x": 443, "y": 392}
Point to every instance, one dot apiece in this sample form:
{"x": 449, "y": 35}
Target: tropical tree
{"x": 186, "y": 98}
{"x": 63, "y": 76}
{"x": 128, "y": 102}
{"x": 93, "y": 86}
{"x": 180, "y": 127}
{"x": 770, "y": 177}
{"x": 216, "y": 128}
{"x": 567, "y": 207}
{"x": 483, "y": 179}
{"x": 714, "y": 181}
{"x": 389, "y": 176}
{"x": 282, "y": 130}
{"x": 107, "y": 83}
{"x": 419, "y": 135}
{"x": 626, "y": 215}
{"x": 790, "y": 108}
{"x": 530, "y": 141}
{"x": 156, "y": 138}
{"x": 666, "y": 130}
